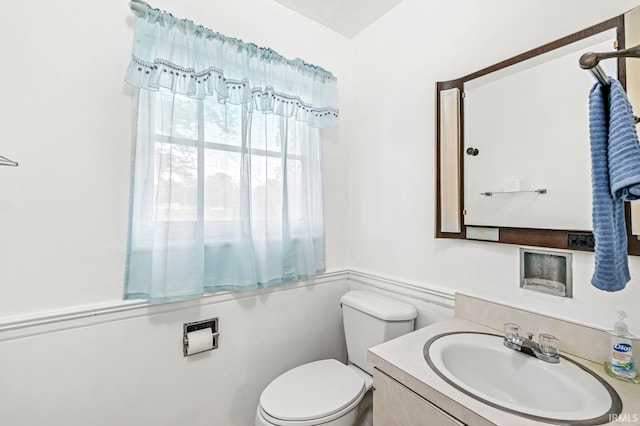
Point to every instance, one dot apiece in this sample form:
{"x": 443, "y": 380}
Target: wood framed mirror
{"x": 513, "y": 151}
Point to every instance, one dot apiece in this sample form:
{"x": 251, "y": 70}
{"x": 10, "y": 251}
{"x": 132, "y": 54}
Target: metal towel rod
{"x": 4, "y": 161}
{"x": 591, "y": 61}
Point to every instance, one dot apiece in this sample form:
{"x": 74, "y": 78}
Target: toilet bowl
{"x": 324, "y": 392}
{"x": 328, "y": 392}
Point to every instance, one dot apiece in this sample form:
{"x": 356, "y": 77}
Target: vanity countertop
{"x": 403, "y": 360}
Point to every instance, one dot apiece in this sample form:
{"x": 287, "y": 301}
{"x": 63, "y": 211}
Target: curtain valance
{"x": 192, "y": 60}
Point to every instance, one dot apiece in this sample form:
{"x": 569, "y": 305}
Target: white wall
{"x": 128, "y": 368}
{"x": 397, "y": 62}
{"x": 66, "y": 118}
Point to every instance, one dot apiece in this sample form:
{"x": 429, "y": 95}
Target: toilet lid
{"x": 312, "y": 391}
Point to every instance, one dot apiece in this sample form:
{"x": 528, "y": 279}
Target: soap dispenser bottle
{"x": 621, "y": 363}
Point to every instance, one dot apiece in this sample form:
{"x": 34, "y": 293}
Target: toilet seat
{"x": 321, "y": 390}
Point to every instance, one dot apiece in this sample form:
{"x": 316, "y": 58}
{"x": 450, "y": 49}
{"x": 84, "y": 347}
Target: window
{"x": 227, "y": 191}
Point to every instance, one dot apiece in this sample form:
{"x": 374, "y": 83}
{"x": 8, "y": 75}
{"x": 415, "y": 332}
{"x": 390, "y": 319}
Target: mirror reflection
{"x": 530, "y": 125}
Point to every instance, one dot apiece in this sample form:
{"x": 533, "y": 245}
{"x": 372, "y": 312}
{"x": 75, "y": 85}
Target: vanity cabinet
{"x": 396, "y": 405}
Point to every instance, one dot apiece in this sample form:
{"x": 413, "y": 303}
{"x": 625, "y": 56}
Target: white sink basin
{"x": 482, "y": 367}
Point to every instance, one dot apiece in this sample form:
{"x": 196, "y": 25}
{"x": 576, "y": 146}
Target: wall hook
{"x": 4, "y": 161}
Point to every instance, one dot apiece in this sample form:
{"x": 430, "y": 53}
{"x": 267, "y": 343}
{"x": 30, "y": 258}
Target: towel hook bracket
{"x": 4, "y": 161}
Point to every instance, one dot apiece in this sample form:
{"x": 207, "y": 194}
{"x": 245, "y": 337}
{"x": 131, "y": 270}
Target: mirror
{"x": 513, "y": 151}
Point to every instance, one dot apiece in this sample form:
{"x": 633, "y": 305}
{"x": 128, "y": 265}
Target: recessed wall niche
{"x": 546, "y": 272}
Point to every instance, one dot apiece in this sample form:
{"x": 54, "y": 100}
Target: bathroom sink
{"x": 480, "y": 366}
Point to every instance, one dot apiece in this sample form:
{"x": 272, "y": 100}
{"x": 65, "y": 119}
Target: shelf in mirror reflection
{"x": 492, "y": 193}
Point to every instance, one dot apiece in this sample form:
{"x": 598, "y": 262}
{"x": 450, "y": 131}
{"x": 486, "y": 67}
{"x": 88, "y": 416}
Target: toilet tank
{"x": 371, "y": 319}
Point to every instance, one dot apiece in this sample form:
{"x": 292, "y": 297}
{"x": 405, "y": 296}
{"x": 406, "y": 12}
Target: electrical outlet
{"x": 581, "y": 241}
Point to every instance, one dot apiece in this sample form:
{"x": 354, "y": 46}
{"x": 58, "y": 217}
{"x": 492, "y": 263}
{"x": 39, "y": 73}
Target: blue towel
{"x": 615, "y": 175}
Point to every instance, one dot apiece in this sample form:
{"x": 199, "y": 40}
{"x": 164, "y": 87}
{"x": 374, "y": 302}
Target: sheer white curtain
{"x": 226, "y": 179}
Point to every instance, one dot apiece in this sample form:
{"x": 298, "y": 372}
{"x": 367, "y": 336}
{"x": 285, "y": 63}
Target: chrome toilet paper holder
{"x": 199, "y": 325}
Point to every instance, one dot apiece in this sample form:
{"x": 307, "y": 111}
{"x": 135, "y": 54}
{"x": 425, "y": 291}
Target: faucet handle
{"x": 549, "y": 344}
{"x": 511, "y": 331}
{"x": 530, "y": 336}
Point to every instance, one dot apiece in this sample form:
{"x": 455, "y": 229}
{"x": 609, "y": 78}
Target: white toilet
{"x": 327, "y": 392}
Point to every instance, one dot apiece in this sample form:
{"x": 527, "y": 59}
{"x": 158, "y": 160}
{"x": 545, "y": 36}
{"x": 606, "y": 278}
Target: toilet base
{"x": 365, "y": 410}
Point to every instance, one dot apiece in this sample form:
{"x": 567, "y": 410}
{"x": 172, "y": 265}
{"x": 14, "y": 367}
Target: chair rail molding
{"x": 89, "y": 315}
{"x": 421, "y": 291}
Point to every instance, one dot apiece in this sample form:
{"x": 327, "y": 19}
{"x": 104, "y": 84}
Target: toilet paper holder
{"x": 199, "y": 325}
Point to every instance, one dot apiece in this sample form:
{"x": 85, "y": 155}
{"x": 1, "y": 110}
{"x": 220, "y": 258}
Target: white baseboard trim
{"x": 86, "y": 316}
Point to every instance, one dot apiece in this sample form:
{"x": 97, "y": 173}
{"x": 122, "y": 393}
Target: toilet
{"x": 328, "y": 392}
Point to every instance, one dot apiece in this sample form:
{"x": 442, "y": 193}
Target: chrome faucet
{"x": 545, "y": 349}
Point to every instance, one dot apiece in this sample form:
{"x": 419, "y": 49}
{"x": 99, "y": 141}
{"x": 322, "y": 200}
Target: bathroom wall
{"x": 127, "y": 368}
{"x": 71, "y": 352}
{"x": 392, "y": 176}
